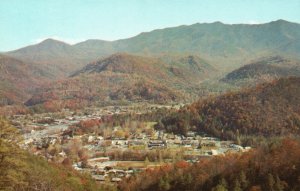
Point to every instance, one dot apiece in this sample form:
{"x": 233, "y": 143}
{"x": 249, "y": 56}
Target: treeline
{"x": 152, "y": 115}
{"x": 274, "y": 167}
{"x": 270, "y": 109}
{"x": 129, "y": 122}
{"x": 20, "y": 170}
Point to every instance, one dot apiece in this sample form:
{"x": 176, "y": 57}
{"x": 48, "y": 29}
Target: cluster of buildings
{"x": 55, "y": 131}
{"x": 162, "y": 140}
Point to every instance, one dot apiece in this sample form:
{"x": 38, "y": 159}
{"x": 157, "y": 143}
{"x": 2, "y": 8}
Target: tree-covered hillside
{"x": 18, "y": 79}
{"x": 269, "y": 109}
{"x": 274, "y": 167}
{"x": 125, "y": 78}
{"x": 262, "y": 70}
{"x": 20, "y": 170}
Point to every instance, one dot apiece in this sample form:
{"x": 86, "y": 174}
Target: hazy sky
{"x": 25, "y": 22}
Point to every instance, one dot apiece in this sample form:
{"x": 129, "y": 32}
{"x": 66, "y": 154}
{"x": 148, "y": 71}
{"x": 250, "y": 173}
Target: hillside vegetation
{"x": 124, "y": 78}
{"x": 18, "y": 80}
{"x": 20, "y": 170}
{"x": 262, "y": 70}
{"x": 172, "y": 64}
{"x": 274, "y": 167}
{"x": 269, "y": 109}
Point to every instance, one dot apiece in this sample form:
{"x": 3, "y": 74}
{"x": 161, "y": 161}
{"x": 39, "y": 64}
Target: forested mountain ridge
{"x": 125, "y": 77}
{"x": 18, "y": 79}
{"x": 263, "y": 69}
{"x": 270, "y": 109}
{"x": 58, "y": 56}
{"x": 124, "y": 63}
{"x": 185, "y": 54}
{"x": 216, "y": 41}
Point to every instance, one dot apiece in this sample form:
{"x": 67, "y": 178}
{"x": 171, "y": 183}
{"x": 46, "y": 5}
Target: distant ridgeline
{"x": 212, "y": 40}
{"x": 172, "y": 65}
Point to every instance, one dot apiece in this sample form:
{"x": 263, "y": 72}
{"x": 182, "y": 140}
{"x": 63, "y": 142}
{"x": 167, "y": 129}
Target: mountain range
{"x": 124, "y": 77}
{"x": 212, "y": 41}
{"x": 164, "y": 65}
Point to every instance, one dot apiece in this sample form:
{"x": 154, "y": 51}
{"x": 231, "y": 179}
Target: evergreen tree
{"x": 164, "y": 183}
{"x": 146, "y": 161}
{"x": 237, "y": 186}
{"x": 238, "y": 140}
{"x": 222, "y": 186}
{"x": 160, "y": 157}
{"x": 243, "y": 180}
{"x": 12, "y": 166}
{"x": 278, "y": 184}
{"x": 188, "y": 178}
{"x": 219, "y": 187}
{"x": 270, "y": 182}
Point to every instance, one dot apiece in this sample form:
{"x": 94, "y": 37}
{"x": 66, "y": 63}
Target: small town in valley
{"x": 111, "y": 154}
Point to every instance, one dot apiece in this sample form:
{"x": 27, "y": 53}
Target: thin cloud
{"x": 253, "y": 22}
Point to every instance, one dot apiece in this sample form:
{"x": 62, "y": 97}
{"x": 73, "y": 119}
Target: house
{"x": 120, "y": 173}
{"x": 186, "y": 142}
{"x": 129, "y": 171}
{"x": 171, "y": 136}
{"x": 247, "y": 148}
{"x": 77, "y": 166}
{"x": 91, "y": 139}
{"x": 98, "y": 171}
{"x": 177, "y": 142}
{"x": 195, "y": 143}
{"x": 62, "y": 154}
{"x": 116, "y": 179}
{"x": 28, "y": 141}
{"x": 214, "y": 152}
{"x": 140, "y": 136}
{"x": 99, "y": 159}
{"x": 157, "y": 144}
{"x": 236, "y": 147}
{"x": 190, "y": 134}
{"x": 99, "y": 177}
{"x": 119, "y": 142}
{"x": 207, "y": 144}
{"x": 210, "y": 138}
{"x": 135, "y": 143}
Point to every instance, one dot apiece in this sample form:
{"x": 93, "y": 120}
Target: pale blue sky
{"x": 25, "y": 22}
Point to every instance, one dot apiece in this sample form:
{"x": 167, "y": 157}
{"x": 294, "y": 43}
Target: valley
{"x": 206, "y": 106}
{"x": 111, "y": 152}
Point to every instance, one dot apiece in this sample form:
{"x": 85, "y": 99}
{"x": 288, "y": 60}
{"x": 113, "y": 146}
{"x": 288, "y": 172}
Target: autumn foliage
{"x": 273, "y": 167}
{"x": 270, "y": 109}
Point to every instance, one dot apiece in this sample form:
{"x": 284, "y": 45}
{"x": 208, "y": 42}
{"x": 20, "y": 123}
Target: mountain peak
{"x": 280, "y": 22}
{"x": 52, "y": 41}
{"x": 124, "y": 63}
{"x": 218, "y": 23}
